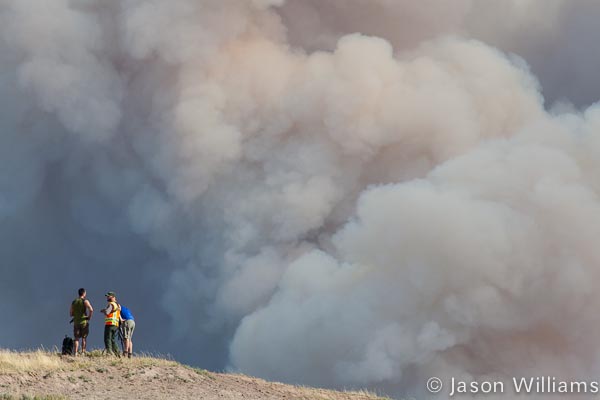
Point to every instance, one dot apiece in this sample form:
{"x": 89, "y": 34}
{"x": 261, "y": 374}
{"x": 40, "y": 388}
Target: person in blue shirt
{"x": 128, "y": 326}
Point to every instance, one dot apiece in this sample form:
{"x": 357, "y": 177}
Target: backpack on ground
{"x": 67, "y": 346}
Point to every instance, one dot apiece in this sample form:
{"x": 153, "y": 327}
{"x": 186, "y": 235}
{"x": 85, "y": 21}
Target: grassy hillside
{"x": 43, "y": 375}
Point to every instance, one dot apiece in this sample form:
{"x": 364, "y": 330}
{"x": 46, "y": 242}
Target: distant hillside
{"x": 43, "y": 375}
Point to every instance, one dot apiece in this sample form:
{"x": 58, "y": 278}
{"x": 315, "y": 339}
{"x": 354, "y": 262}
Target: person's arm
{"x": 71, "y": 310}
{"x": 121, "y": 320}
{"x": 89, "y": 308}
{"x": 107, "y": 310}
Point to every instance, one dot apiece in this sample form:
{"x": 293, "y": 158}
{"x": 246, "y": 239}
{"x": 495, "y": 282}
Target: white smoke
{"x": 484, "y": 267}
{"x": 345, "y": 210}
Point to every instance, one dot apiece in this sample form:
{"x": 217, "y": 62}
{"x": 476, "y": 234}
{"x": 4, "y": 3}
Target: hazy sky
{"x": 344, "y": 193}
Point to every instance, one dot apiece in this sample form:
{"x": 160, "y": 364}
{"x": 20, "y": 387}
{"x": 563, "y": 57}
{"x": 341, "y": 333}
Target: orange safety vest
{"x": 113, "y": 317}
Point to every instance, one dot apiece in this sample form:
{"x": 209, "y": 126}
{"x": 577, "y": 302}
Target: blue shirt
{"x": 125, "y": 313}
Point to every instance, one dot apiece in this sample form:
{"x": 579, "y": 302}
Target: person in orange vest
{"x": 111, "y": 323}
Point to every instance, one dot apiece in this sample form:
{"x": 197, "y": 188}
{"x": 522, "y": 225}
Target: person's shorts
{"x": 81, "y": 331}
{"x": 128, "y": 328}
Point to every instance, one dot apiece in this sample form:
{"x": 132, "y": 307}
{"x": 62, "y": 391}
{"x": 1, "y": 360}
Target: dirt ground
{"x": 145, "y": 378}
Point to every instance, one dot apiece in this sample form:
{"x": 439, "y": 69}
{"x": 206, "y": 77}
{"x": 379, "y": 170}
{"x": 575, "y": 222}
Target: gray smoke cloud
{"x": 342, "y": 194}
{"x": 554, "y": 36}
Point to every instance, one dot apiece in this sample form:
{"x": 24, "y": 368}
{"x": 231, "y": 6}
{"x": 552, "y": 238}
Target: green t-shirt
{"x": 79, "y": 311}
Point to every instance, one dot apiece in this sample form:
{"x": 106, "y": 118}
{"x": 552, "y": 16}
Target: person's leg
{"x": 127, "y": 332}
{"x": 76, "y": 336}
{"x": 107, "y": 347}
{"x": 132, "y": 328}
{"x": 111, "y": 339}
{"x": 123, "y": 338}
{"x": 115, "y": 348}
{"x": 84, "y": 334}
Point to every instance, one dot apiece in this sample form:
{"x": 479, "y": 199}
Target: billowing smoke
{"x": 344, "y": 194}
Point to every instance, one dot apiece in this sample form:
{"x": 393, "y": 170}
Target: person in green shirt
{"x": 81, "y": 311}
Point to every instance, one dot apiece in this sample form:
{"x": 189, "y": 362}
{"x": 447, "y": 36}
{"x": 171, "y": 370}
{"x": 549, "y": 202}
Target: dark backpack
{"x": 67, "y": 346}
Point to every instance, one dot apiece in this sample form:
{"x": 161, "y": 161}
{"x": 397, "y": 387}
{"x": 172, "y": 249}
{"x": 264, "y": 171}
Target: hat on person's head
{"x": 110, "y": 294}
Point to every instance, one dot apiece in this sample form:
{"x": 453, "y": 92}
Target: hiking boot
{"x": 128, "y": 355}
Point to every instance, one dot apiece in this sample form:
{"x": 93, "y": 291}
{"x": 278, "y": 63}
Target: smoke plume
{"x": 343, "y": 194}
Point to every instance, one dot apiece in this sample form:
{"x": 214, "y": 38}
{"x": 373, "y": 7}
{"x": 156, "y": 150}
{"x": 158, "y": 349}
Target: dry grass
{"x": 11, "y": 361}
{"x": 43, "y": 360}
{"x": 46, "y": 375}
{"x": 326, "y": 394}
{"x": 369, "y": 394}
{"x": 25, "y": 397}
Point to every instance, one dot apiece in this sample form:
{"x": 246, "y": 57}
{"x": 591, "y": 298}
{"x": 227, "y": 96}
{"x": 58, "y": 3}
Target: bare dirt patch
{"x": 100, "y": 377}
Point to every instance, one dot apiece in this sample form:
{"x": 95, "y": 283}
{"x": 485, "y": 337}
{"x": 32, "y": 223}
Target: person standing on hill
{"x": 81, "y": 310}
{"x": 128, "y": 325}
{"x": 112, "y": 314}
